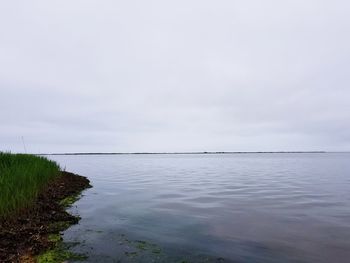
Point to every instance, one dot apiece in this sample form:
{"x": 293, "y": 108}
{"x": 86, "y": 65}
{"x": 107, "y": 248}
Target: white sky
{"x": 194, "y": 75}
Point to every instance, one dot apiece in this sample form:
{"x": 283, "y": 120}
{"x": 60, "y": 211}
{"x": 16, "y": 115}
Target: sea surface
{"x": 212, "y": 208}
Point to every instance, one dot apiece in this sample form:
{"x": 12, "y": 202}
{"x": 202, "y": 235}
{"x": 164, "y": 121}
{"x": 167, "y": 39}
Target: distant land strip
{"x": 132, "y": 153}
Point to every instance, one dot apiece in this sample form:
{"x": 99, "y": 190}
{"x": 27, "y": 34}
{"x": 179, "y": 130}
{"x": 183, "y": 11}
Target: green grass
{"x": 22, "y": 177}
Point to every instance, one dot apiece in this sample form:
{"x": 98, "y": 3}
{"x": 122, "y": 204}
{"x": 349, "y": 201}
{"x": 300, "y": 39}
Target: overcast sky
{"x": 184, "y": 75}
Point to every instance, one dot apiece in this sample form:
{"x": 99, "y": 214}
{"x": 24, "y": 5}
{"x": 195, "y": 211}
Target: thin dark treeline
{"x": 134, "y": 153}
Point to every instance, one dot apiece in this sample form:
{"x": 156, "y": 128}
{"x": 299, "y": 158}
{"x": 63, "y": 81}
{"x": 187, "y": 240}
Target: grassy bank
{"x": 22, "y": 177}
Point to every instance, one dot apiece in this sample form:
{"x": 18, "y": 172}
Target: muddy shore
{"x": 26, "y": 234}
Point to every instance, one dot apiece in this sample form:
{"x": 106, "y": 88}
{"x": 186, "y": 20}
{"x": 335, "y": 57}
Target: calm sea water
{"x": 213, "y": 208}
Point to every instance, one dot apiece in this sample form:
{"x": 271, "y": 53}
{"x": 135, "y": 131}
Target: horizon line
{"x": 194, "y": 152}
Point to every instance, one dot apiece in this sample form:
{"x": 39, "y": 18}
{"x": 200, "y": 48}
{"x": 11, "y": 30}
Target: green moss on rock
{"x": 69, "y": 201}
{"x": 55, "y": 238}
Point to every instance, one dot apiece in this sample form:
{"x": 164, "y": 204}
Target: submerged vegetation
{"x": 22, "y": 177}
{"x": 59, "y": 253}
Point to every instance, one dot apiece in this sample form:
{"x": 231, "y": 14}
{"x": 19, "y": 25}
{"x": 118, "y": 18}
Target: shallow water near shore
{"x": 212, "y": 208}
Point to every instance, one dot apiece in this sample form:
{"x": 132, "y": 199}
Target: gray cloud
{"x": 174, "y": 76}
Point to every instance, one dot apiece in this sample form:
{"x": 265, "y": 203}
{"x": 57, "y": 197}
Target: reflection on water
{"x": 213, "y": 208}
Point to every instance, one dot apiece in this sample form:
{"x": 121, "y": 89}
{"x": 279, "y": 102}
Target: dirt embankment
{"x": 27, "y": 233}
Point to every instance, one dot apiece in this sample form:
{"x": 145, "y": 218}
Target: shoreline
{"x": 26, "y": 234}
